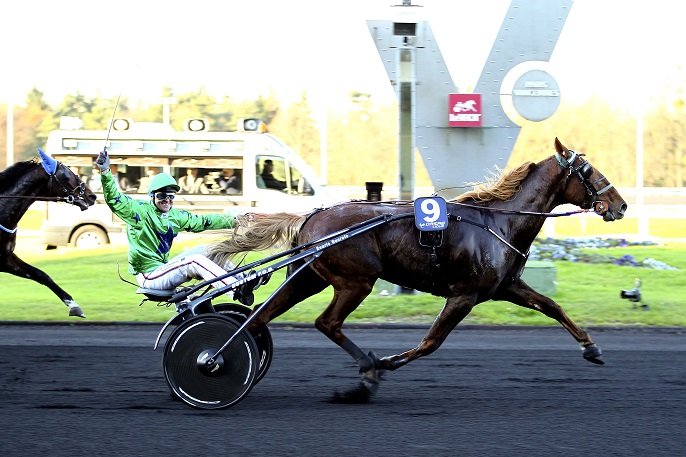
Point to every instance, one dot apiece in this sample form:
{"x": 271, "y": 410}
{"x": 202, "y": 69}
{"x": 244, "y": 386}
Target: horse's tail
{"x": 257, "y": 232}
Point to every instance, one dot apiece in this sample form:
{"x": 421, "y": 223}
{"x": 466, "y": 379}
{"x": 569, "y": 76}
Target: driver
{"x": 151, "y": 227}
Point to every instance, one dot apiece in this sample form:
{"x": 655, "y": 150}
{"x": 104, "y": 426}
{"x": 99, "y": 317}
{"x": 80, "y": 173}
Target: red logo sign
{"x": 464, "y": 110}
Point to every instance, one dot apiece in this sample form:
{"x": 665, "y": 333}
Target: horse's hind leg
{"x": 14, "y": 265}
{"x": 521, "y": 294}
{"x": 330, "y": 323}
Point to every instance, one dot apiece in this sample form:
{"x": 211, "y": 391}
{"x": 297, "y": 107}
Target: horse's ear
{"x": 49, "y": 164}
{"x": 561, "y": 149}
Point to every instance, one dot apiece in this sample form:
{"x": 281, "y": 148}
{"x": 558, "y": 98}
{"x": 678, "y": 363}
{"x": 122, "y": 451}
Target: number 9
{"x": 431, "y": 210}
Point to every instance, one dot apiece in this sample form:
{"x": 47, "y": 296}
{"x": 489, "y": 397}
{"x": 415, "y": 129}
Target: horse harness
{"x": 583, "y": 171}
{"x": 433, "y": 238}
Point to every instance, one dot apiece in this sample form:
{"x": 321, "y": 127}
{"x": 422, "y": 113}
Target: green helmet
{"x": 160, "y": 181}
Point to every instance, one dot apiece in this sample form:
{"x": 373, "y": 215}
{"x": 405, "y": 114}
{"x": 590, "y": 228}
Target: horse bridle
{"x": 72, "y": 196}
{"x": 583, "y": 171}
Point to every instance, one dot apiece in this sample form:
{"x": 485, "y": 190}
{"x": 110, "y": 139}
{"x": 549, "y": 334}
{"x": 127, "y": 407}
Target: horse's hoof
{"x": 592, "y": 353}
{"x": 76, "y": 311}
{"x": 364, "y": 391}
{"x": 384, "y": 364}
{"x": 358, "y": 395}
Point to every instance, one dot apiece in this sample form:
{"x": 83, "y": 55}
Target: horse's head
{"x": 66, "y": 184}
{"x": 586, "y": 187}
{"x": 76, "y": 191}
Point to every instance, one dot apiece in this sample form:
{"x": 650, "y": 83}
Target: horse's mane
{"x": 18, "y": 168}
{"x": 500, "y": 187}
{"x": 10, "y": 175}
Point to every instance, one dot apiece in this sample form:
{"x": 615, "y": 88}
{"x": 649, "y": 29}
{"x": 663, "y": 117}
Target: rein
{"x": 524, "y": 213}
{"x": 483, "y": 226}
{"x": 69, "y": 199}
{"x": 484, "y": 208}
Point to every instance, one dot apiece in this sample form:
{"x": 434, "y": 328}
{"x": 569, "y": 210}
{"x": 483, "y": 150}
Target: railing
{"x": 662, "y": 205}
{"x": 662, "y": 215}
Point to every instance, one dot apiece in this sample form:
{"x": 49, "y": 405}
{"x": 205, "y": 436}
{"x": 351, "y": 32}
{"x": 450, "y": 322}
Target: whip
{"x": 114, "y": 113}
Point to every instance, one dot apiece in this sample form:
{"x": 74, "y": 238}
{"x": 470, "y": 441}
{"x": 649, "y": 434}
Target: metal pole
{"x": 10, "y": 134}
{"x": 406, "y": 121}
{"x": 643, "y": 222}
{"x": 323, "y": 144}
{"x": 165, "y": 113}
{"x": 166, "y": 101}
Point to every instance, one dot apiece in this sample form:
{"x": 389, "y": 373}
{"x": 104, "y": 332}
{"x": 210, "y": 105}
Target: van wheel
{"x": 88, "y": 237}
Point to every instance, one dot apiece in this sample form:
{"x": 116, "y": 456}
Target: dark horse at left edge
{"x": 480, "y": 257}
{"x": 22, "y": 184}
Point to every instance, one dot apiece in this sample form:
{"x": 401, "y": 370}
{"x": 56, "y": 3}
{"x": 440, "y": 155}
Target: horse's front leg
{"x": 521, "y": 294}
{"x": 453, "y": 312}
{"x": 14, "y": 265}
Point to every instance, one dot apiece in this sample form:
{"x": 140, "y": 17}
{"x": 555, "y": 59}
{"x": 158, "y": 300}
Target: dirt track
{"x": 100, "y": 390}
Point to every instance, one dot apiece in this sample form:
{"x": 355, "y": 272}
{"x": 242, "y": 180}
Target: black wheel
{"x": 262, "y": 337}
{"x": 220, "y": 384}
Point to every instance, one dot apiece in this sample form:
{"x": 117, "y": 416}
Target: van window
{"x": 230, "y": 181}
{"x": 276, "y": 173}
{"x": 272, "y": 170}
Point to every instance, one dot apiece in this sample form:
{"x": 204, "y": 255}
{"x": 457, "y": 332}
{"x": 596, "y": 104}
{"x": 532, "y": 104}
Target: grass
{"x": 590, "y": 294}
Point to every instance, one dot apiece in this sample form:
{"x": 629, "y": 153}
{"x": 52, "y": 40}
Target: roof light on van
{"x": 251, "y": 124}
{"x": 121, "y": 123}
{"x": 196, "y": 125}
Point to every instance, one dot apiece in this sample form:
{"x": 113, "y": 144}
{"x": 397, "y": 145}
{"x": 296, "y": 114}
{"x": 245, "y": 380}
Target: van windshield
{"x": 272, "y": 172}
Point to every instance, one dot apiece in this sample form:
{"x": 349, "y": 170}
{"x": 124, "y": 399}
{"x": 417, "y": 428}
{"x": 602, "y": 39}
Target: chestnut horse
{"x": 481, "y": 257}
{"x": 22, "y": 184}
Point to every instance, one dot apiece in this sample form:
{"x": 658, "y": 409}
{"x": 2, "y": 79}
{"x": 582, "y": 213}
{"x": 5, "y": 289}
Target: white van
{"x": 198, "y": 158}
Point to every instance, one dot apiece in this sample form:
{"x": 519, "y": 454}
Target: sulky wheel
{"x": 221, "y": 384}
{"x": 262, "y": 336}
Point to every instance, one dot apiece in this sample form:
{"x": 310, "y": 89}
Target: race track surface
{"x": 86, "y": 390}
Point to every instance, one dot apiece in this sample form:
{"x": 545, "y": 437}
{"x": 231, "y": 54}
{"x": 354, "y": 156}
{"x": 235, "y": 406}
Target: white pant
{"x": 182, "y": 268}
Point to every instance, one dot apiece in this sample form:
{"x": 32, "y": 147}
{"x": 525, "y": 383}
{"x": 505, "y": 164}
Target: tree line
{"x": 362, "y": 139}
